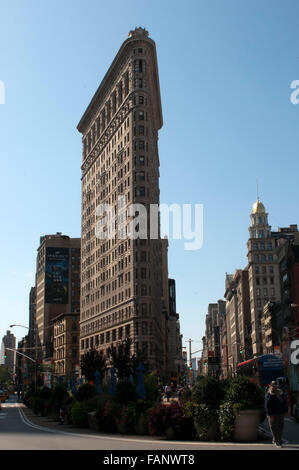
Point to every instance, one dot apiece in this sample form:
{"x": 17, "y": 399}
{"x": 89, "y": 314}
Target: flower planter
{"x": 247, "y": 425}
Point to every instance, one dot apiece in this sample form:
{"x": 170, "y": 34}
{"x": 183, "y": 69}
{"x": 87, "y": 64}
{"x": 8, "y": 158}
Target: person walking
{"x": 275, "y": 407}
{"x": 167, "y": 391}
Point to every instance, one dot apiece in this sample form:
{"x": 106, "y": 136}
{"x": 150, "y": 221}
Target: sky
{"x": 225, "y": 70}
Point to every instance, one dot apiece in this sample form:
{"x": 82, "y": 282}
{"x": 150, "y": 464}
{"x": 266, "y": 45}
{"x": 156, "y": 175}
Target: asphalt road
{"x": 17, "y": 432}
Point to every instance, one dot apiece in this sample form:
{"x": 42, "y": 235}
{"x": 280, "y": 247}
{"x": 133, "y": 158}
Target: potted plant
{"x": 205, "y": 422}
{"x": 127, "y": 419}
{"x": 246, "y": 400}
{"x": 206, "y": 395}
{"x": 166, "y": 421}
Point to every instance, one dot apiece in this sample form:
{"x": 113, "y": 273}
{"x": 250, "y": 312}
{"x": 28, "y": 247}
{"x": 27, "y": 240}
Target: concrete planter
{"x": 141, "y": 427}
{"x": 247, "y": 425}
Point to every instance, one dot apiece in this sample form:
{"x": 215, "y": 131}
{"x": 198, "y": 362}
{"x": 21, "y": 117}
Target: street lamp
{"x": 35, "y": 347}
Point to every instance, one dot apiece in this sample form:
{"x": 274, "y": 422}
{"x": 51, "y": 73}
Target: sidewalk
{"x": 290, "y": 431}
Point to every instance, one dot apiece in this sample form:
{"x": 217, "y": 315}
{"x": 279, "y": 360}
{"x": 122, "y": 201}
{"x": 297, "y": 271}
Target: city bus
{"x": 262, "y": 370}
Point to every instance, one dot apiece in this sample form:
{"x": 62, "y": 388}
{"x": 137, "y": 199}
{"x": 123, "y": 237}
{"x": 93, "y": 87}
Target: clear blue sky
{"x": 225, "y": 73}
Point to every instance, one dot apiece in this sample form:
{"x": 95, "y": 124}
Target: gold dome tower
{"x": 258, "y": 208}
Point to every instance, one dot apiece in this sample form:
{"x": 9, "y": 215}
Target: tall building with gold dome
{"x": 263, "y": 270}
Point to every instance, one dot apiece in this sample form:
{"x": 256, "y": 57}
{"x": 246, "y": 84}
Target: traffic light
{"x": 5, "y": 355}
{"x": 241, "y": 350}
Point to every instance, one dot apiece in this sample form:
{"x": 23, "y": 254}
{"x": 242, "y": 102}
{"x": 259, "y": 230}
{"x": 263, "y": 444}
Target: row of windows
{"x": 260, "y": 233}
{"x": 108, "y": 320}
{"x": 265, "y": 291}
{"x": 264, "y": 269}
{"x": 262, "y": 246}
{"x": 264, "y": 280}
{"x": 114, "y": 335}
{"x": 263, "y": 257}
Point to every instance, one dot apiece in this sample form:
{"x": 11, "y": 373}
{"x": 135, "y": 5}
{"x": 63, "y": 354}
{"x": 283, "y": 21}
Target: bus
{"x": 262, "y": 370}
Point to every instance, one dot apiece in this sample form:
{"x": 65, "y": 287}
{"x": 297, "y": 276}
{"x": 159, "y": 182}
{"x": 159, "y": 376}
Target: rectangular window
{"x": 143, "y": 289}
{"x": 143, "y": 273}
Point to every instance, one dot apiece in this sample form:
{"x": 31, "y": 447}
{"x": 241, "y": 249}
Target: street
{"x": 20, "y": 431}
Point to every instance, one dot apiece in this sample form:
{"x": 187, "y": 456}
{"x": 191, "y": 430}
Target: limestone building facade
{"x": 121, "y": 275}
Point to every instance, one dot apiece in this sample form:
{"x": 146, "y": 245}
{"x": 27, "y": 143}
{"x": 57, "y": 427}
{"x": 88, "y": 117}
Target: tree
{"x": 5, "y": 376}
{"x": 124, "y": 363}
{"x": 91, "y": 362}
{"x": 139, "y": 358}
{"x": 121, "y": 359}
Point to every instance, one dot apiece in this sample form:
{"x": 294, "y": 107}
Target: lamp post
{"x": 35, "y": 347}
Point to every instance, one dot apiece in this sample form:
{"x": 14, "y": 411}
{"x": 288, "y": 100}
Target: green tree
{"x": 91, "y": 362}
{"x": 5, "y": 376}
{"x": 121, "y": 359}
{"x": 124, "y": 363}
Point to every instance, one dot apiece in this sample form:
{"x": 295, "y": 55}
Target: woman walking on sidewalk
{"x": 276, "y": 407}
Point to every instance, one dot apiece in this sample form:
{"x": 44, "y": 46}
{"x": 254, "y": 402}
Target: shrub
{"x": 79, "y": 414}
{"x": 226, "y": 421}
{"x": 165, "y": 417}
{"x": 45, "y": 393}
{"x": 107, "y": 414}
{"x": 85, "y": 392}
{"x": 125, "y": 392}
{"x": 188, "y": 420}
{"x": 152, "y": 391}
{"x": 94, "y": 403}
{"x": 38, "y": 405}
{"x": 208, "y": 391}
{"x": 127, "y": 419}
{"x": 29, "y": 402}
{"x": 186, "y": 395}
{"x": 58, "y": 397}
{"x": 205, "y": 422}
{"x": 244, "y": 394}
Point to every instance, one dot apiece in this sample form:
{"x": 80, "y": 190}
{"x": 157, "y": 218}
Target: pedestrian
{"x": 276, "y": 407}
{"x": 61, "y": 415}
{"x": 167, "y": 392}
